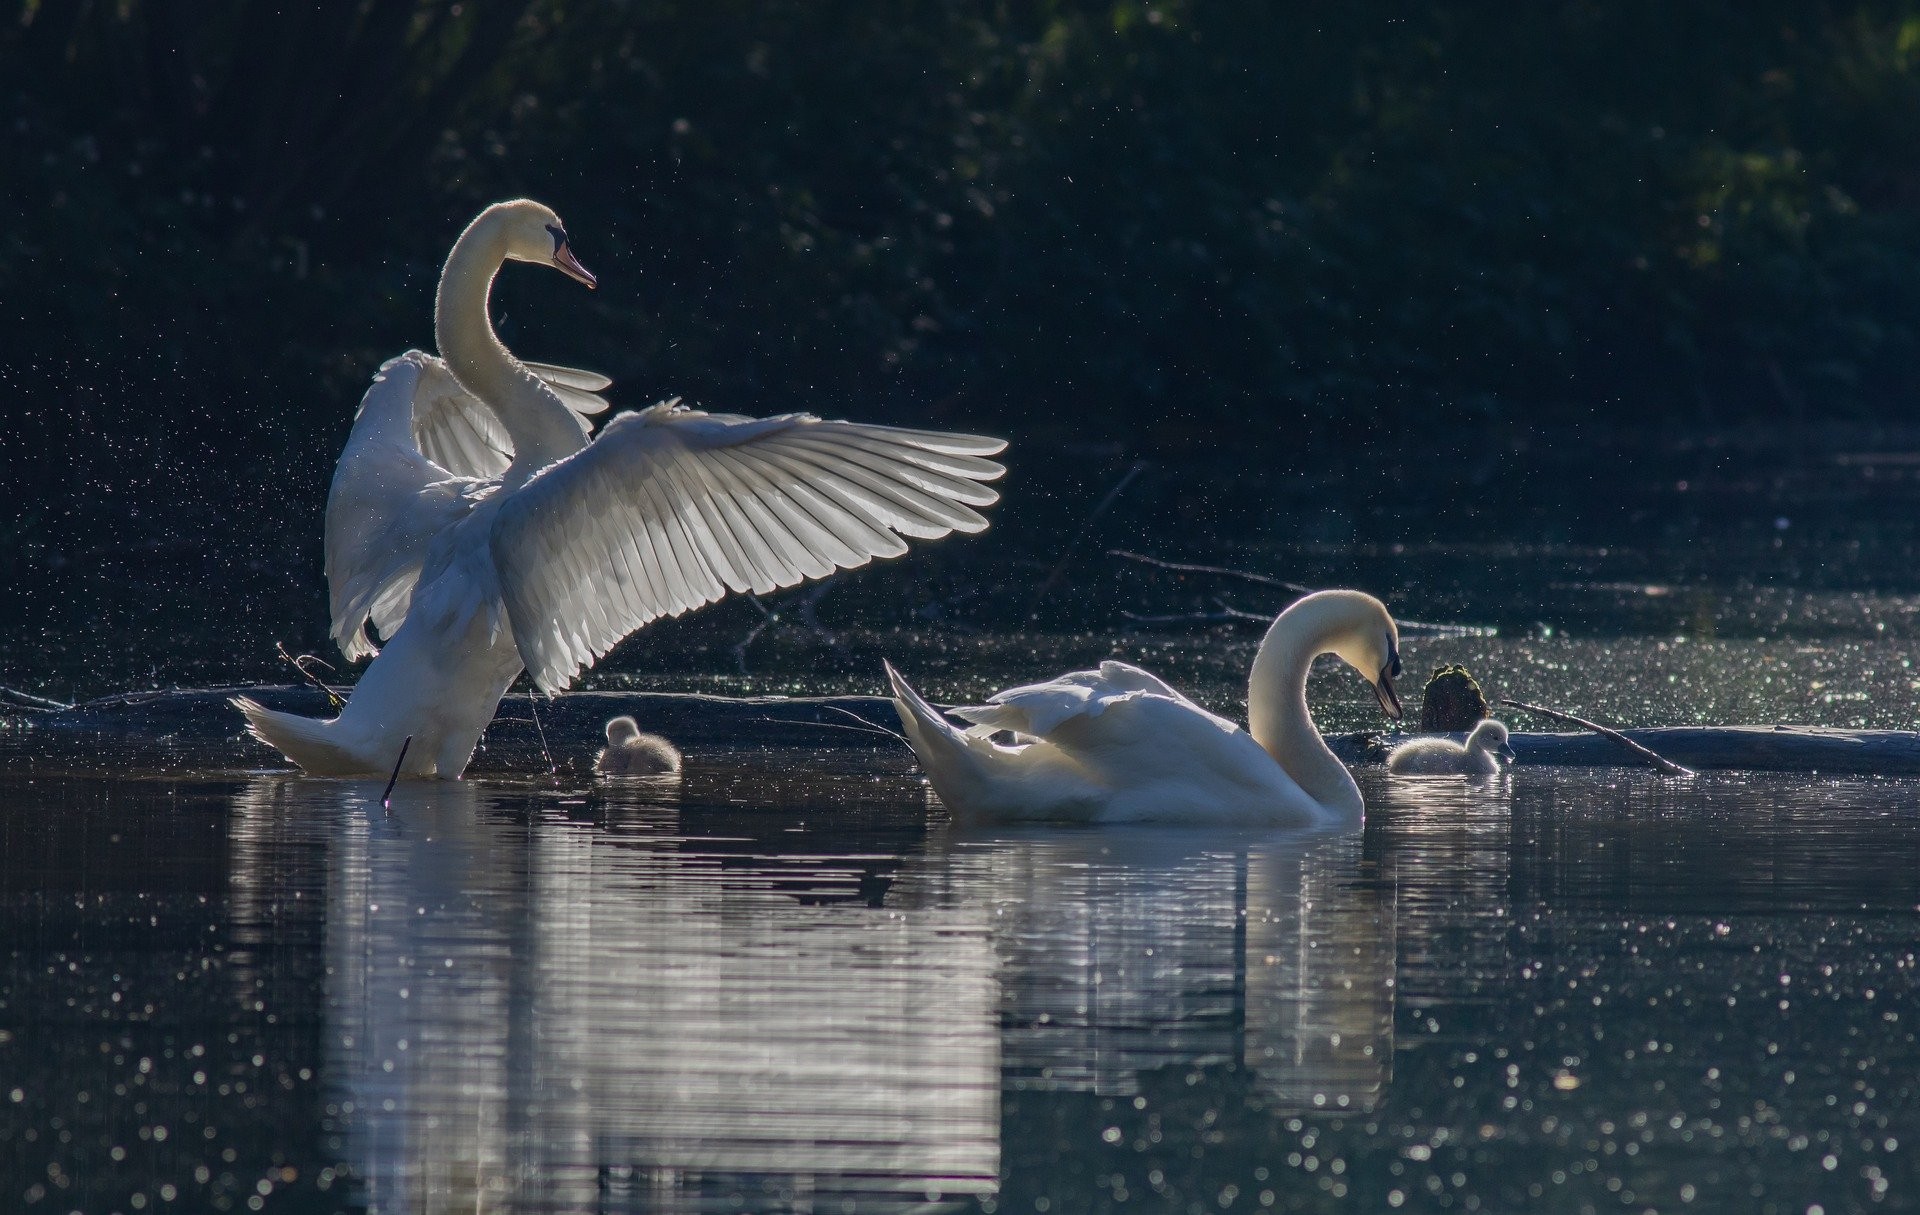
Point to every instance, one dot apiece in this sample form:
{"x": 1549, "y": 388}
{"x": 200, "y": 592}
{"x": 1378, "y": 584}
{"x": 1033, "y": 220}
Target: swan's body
{"x": 1480, "y": 756}
{"x": 474, "y": 524}
{"x": 1118, "y": 745}
{"x": 632, "y": 753}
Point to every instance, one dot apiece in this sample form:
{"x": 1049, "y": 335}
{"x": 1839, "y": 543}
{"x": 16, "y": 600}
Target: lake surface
{"x": 784, "y": 984}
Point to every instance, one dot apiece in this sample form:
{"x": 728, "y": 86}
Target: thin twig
{"x": 872, "y": 727}
{"x": 533, "y": 707}
{"x": 300, "y": 664}
{"x": 1227, "y": 613}
{"x": 1666, "y": 766}
{"x": 1060, "y": 567}
{"x": 1221, "y": 617}
{"x": 386, "y": 797}
{"x": 811, "y": 601}
{"x": 13, "y": 698}
{"x": 1185, "y": 567}
{"x": 740, "y": 649}
{"x": 1425, "y": 627}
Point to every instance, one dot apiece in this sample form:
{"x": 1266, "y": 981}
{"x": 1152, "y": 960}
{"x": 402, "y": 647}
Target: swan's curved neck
{"x": 1277, "y": 715}
{"x": 542, "y": 428}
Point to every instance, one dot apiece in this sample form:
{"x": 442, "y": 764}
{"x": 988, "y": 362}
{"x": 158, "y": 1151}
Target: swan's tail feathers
{"x": 306, "y": 741}
{"x": 943, "y": 748}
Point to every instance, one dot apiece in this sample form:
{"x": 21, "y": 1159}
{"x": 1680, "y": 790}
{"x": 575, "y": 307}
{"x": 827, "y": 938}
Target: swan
{"x": 1118, "y": 745}
{"x": 477, "y": 527}
{"x": 1481, "y": 755}
{"x": 632, "y": 753}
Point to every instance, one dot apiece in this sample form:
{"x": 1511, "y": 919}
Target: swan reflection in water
{"x": 1121, "y": 952}
{"x": 531, "y": 1011}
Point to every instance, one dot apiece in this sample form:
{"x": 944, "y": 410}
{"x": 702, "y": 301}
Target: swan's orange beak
{"x": 570, "y": 265}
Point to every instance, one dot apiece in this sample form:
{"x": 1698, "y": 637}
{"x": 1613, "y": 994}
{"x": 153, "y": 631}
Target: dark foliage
{"x": 1142, "y": 224}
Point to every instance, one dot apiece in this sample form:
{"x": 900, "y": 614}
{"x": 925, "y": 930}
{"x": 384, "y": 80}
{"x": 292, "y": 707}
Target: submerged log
{"x": 570, "y": 718}
{"x": 1707, "y": 748}
{"x": 199, "y": 730}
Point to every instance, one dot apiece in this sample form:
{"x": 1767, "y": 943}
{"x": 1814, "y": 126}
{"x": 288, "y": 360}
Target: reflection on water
{"x": 1126, "y": 952}
{"x": 537, "y": 1011}
{"x": 790, "y": 987}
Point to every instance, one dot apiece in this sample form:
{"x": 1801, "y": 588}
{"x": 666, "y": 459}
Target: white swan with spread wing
{"x": 477, "y": 527}
{"x": 1118, "y": 745}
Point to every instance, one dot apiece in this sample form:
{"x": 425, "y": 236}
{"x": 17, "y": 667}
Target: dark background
{"x": 1369, "y": 270}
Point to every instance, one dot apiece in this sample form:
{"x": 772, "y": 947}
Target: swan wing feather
{"x": 1040, "y": 708}
{"x": 572, "y": 377}
{"x": 1158, "y": 753}
{"x": 579, "y": 389}
{"x": 452, "y": 427}
{"x": 671, "y": 508}
{"x": 462, "y": 434}
{"x": 1127, "y": 677}
{"x": 387, "y": 502}
{"x": 1126, "y": 737}
{"x": 1036, "y": 709}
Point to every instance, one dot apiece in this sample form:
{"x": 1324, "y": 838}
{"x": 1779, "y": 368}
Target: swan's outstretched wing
{"x": 460, "y": 433}
{"x": 387, "y": 502}
{"x": 579, "y": 389}
{"x": 419, "y": 457}
{"x": 452, "y": 427}
{"x": 670, "y": 508}
{"x": 1038, "y": 709}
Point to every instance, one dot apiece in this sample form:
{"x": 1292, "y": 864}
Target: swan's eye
{"x": 1393, "y": 656}
{"x": 559, "y": 239}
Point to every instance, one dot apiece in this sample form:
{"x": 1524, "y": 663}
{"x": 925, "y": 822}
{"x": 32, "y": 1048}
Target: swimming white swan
{"x": 474, "y": 524}
{"x": 1481, "y": 755}
{"x": 632, "y": 753}
{"x": 1117, "y": 745}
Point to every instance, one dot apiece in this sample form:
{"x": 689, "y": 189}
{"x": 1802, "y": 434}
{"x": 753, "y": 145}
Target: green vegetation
{"x": 1125, "y": 221}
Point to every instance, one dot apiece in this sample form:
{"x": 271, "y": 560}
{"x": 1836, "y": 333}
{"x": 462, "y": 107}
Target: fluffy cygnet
{"x": 1442, "y": 756}
{"x": 631, "y": 753}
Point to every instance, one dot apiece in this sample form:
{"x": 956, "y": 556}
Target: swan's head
{"x": 533, "y": 233}
{"x": 1491, "y": 736}
{"x": 622, "y": 731}
{"x": 1362, "y": 635}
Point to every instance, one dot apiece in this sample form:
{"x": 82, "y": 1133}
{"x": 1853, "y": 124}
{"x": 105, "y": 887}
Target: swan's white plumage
{"x": 450, "y": 426}
{"x": 1100, "y": 752}
{"x": 671, "y": 508}
{"x": 389, "y": 501}
{"x": 1119, "y": 745}
{"x": 475, "y": 524}
{"x": 579, "y": 389}
{"x": 422, "y": 453}
{"x": 1038, "y": 709}
{"x": 632, "y": 752}
{"x": 1480, "y": 755}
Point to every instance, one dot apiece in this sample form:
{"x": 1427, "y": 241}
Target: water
{"x": 784, "y": 984}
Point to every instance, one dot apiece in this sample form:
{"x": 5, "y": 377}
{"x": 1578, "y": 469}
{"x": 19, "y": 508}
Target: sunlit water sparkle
{"x": 1561, "y": 990}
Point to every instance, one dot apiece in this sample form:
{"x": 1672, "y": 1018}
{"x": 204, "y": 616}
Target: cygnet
{"x": 631, "y": 753}
{"x": 1481, "y": 755}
